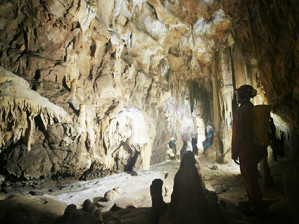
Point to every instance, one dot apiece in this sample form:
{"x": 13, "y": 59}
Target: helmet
{"x": 209, "y": 128}
{"x": 247, "y": 91}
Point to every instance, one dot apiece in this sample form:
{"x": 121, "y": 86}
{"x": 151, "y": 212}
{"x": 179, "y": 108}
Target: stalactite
{"x": 191, "y": 94}
{"x": 72, "y": 96}
{"x": 28, "y": 135}
{"x": 21, "y": 125}
{"x": 21, "y": 104}
{"x": 176, "y": 84}
{"x": 252, "y": 37}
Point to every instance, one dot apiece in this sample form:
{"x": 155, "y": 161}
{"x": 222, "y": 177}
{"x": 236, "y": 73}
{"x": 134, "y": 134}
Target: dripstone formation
{"x": 80, "y": 77}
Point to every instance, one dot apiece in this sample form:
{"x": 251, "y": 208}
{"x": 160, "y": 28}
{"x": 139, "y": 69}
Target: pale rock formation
{"x": 130, "y": 125}
{"x": 201, "y": 136}
{"x": 21, "y": 105}
{"x": 90, "y": 74}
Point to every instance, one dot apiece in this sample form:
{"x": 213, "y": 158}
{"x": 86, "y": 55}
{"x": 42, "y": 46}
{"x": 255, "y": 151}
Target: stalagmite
{"x": 79, "y": 59}
{"x": 201, "y": 132}
{"x": 146, "y": 153}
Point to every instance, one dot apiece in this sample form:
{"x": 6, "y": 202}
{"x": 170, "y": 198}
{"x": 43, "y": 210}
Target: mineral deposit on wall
{"x": 80, "y": 77}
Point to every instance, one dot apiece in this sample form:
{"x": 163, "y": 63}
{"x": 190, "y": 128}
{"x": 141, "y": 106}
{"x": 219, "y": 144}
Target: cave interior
{"x": 86, "y": 86}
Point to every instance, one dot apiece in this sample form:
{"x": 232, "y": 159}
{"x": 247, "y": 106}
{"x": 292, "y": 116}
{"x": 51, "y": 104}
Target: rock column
{"x": 216, "y": 109}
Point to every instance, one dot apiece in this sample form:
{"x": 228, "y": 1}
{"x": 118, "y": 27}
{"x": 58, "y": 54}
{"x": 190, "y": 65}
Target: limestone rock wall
{"x": 95, "y": 73}
{"x": 266, "y": 41}
{"x": 86, "y": 76}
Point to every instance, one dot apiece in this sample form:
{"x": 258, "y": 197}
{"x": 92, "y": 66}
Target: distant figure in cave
{"x": 245, "y": 152}
{"x": 194, "y": 146}
{"x": 209, "y": 139}
{"x": 172, "y": 146}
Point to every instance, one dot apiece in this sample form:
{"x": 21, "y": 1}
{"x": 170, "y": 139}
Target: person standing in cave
{"x": 194, "y": 146}
{"x": 244, "y": 152}
{"x": 209, "y": 139}
{"x": 172, "y": 145}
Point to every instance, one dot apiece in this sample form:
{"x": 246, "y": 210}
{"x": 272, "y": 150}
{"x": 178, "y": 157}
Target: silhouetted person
{"x": 245, "y": 152}
{"x": 194, "y": 146}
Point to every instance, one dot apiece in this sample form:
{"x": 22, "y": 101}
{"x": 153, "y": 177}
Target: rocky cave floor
{"x": 130, "y": 200}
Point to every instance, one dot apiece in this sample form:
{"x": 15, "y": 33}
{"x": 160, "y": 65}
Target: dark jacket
{"x": 242, "y": 140}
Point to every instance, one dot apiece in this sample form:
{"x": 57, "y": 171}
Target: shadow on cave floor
{"x": 132, "y": 202}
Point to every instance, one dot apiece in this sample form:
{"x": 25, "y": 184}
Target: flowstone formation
{"x": 98, "y": 73}
{"x": 45, "y": 133}
{"x": 19, "y": 106}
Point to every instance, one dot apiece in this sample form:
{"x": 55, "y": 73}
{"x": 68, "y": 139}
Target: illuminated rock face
{"x": 96, "y": 73}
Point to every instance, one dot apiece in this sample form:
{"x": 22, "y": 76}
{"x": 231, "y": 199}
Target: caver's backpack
{"x": 261, "y": 125}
